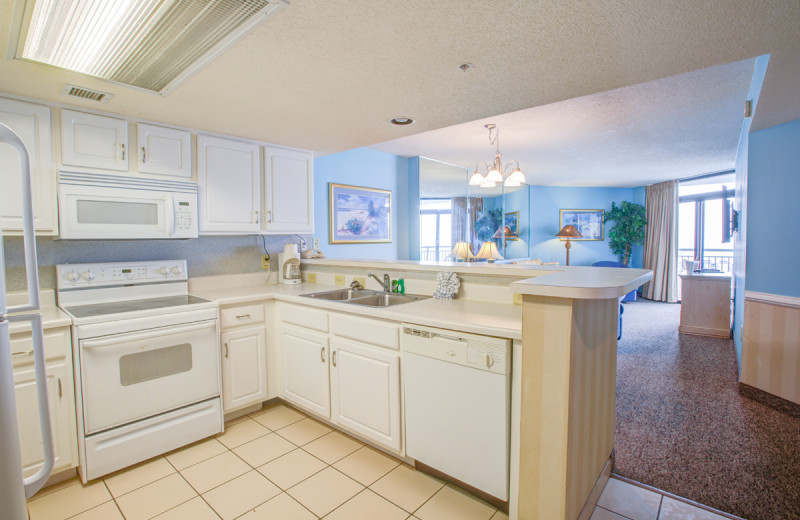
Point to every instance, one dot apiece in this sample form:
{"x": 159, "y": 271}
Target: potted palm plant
{"x": 629, "y": 228}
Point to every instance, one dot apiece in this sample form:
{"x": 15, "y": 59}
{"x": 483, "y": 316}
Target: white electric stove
{"x": 146, "y": 357}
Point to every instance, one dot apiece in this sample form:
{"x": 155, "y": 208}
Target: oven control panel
{"x": 119, "y": 273}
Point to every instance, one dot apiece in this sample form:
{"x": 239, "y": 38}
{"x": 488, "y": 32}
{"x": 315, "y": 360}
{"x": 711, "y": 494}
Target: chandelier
{"x": 509, "y": 175}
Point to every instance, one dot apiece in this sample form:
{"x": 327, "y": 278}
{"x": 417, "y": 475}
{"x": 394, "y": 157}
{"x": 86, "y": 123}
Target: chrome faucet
{"x": 386, "y": 283}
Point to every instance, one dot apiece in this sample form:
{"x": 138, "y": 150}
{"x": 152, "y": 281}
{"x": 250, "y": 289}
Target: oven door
{"x": 126, "y": 377}
{"x": 91, "y": 212}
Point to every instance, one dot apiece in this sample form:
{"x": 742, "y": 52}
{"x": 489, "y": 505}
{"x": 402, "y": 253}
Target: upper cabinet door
{"x": 227, "y": 186}
{"x": 164, "y": 151}
{"x": 288, "y": 191}
{"x": 32, "y": 123}
{"x": 93, "y": 141}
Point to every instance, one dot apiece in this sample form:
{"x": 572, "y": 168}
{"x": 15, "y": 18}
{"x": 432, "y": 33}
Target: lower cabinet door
{"x": 244, "y": 367}
{"x": 366, "y": 391}
{"x": 62, "y": 418}
{"x": 304, "y": 360}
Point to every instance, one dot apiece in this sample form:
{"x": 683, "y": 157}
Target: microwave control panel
{"x": 71, "y": 276}
{"x": 185, "y": 215}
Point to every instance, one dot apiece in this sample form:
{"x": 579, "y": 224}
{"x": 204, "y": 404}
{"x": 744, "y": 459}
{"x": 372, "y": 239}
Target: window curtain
{"x": 661, "y": 242}
{"x": 475, "y": 205}
{"x": 465, "y": 212}
{"x": 458, "y": 222}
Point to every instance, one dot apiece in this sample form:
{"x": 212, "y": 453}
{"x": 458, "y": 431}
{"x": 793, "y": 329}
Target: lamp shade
{"x": 462, "y": 250}
{"x": 569, "y": 231}
{"x": 489, "y": 252}
{"x": 504, "y": 232}
{"x": 476, "y": 179}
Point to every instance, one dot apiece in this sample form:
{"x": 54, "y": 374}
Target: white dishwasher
{"x": 457, "y": 404}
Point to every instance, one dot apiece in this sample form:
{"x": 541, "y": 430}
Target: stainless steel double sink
{"x": 366, "y": 297}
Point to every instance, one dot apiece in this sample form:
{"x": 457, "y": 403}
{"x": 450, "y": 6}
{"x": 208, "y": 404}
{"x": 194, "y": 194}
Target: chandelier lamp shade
{"x": 509, "y": 174}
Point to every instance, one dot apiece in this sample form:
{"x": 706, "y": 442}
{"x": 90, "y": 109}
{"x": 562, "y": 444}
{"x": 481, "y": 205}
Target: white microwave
{"x": 97, "y": 206}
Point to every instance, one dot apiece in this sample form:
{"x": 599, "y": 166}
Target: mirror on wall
{"x": 451, "y": 211}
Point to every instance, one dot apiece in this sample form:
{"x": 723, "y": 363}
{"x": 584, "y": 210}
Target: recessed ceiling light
{"x": 402, "y": 121}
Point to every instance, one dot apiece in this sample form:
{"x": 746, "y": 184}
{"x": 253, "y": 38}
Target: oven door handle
{"x": 139, "y": 336}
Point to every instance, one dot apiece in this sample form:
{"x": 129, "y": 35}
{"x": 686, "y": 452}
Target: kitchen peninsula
{"x": 563, "y": 355}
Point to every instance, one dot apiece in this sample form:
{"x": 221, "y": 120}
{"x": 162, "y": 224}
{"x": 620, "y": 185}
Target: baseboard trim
{"x": 704, "y": 331}
{"x": 773, "y": 299}
{"x": 678, "y": 498}
{"x": 597, "y": 489}
{"x": 767, "y": 399}
{"x": 486, "y": 497}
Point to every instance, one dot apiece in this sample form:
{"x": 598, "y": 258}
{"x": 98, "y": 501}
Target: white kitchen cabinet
{"x": 164, "y": 151}
{"x": 92, "y": 141}
{"x": 244, "y": 356}
{"x": 304, "y": 363}
{"x": 288, "y": 194}
{"x": 228, "y": 186}
{"x": 244, "y": 367}
{"x": 60, "y": 395}
{"x": 365, "y": 391}
{"x": 32, "y": 123}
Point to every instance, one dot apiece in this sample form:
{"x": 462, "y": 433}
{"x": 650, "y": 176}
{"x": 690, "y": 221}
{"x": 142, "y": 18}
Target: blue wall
{"x": 772, "y": 203}
{"x": 545, "y": 203}
{"x": 372, "y": 169}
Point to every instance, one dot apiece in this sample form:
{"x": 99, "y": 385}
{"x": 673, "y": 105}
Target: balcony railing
{"x": 430, "y": 253}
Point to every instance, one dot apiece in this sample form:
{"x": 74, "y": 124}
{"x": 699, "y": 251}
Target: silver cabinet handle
{"x": 123, "y": 151}
{"x": 144, "y": 155}
{"x": 255, "y": 217}
{"x": 60, "y": 393}
{"x": 333, "y": 357}
{"x": 322, "y": 354}
{"x": 269, "y": 216}
{"x": 242, "y": 316}
{"x": 226, "y": 350}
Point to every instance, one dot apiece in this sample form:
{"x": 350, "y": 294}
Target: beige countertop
{"x": 590, "y": 283}
{"x": 492, "y": 319}
{"x": 474, "y": 268}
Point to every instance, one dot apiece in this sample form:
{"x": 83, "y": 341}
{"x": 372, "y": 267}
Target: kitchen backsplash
{"x": 206, "y": 255}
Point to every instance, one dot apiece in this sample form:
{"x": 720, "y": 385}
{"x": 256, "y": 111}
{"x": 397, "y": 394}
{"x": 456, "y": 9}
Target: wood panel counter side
{"x": 569, "y": 341}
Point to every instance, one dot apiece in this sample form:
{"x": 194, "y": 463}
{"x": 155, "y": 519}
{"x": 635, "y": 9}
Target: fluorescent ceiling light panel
{"x": 149, "y": 44}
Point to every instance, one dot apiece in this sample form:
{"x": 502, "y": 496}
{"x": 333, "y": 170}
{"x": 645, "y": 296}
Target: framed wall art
{"x": 588, "y": 221}
{"x": 359, "y": 215}
{"x": 512, "y": 221}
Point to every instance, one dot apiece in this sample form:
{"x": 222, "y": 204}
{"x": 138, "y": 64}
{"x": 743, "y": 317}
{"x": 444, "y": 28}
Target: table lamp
{"x": 489, "y": 252}
{"x": 462, "y": 252}
{"x": 569, "y": 231}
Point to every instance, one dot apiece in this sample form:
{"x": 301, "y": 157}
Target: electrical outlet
{"x": 315, "y": 244}
{"x": 312, "y": 277}
{"x": 517, "y": 299}
{"x": 361, "y": 280}
{"x": 265, "y": 262}
{"x": 338, "y": 279}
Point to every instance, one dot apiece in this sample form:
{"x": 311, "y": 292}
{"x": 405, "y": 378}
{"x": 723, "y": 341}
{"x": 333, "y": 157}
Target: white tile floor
{"x": 280, "y": 464}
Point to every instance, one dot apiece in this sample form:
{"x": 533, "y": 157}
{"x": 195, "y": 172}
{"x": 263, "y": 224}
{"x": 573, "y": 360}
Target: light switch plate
{"x": 517, "y": 299}
{"x": 315, "y": 244}
{"x": 265, "y": 262}
{"x": 338, "y": 279}
{"x": 312, "y": 277}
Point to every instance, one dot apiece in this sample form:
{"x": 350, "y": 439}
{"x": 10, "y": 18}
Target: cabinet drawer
{"x": 56, "y": 345}
{"x": 241, "y": 315}
{"x": 305, "y": 317}
{"x": 368, "y": 330}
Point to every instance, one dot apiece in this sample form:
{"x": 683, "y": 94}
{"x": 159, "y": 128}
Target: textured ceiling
{"x": 684, "y": 125}
{"x": 327, "y": 76}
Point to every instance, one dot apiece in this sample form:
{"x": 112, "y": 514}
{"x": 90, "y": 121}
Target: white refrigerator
{"x": 14, "y": 489}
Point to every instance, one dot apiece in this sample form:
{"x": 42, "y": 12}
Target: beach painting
{"x": 588, "y": 221}
{"x": 359, "y": 215}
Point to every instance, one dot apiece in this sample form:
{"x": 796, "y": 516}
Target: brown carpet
{"x": 683, "y": 427}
